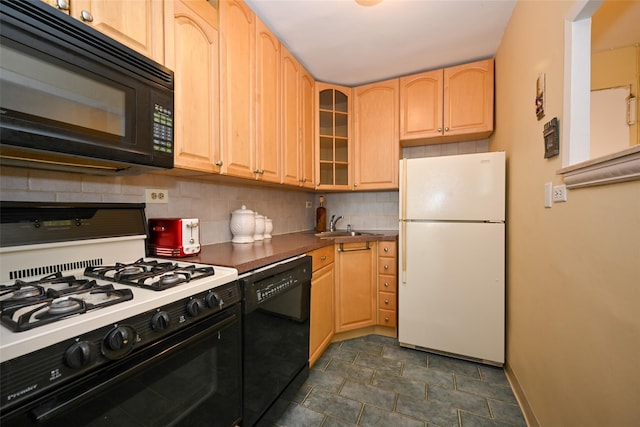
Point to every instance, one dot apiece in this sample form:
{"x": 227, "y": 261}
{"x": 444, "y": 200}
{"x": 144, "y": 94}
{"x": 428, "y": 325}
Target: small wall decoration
{"x": 551, "y": 135}
{"x": 540, "y": 89}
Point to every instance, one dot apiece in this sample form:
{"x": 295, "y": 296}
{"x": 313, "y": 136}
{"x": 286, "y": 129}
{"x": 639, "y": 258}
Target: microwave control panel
{"x": 162, "y": 129}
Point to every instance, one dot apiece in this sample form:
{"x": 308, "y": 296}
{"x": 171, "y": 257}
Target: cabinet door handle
{"x": 219, "y": 163}
{"x": 446, "y": 129}
{"x": 342, "y": 249}
{"x": 62, "y": 4}
{"x": 439, "y": 129}
{"x": 86, "y": 16}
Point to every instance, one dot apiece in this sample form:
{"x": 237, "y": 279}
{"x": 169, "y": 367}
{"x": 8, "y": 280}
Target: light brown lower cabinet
{"x": 356, "y": 298}
{"x": 387, "y": 284}
{"x": 322, "y": 326}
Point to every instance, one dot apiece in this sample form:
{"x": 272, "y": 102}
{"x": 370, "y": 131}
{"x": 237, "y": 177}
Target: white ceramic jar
{"x": 242, "y": 225}
{"x": 258, "y": 233}
{"x": 268, "y": 227}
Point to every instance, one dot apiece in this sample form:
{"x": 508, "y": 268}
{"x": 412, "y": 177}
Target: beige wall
{"x": 573, "y": 271}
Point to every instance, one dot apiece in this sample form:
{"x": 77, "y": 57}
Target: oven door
{"x": 192, "y": 378}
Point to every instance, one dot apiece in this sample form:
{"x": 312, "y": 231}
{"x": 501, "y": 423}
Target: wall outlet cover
{"x": 156, "y": 195}
{"x": 560, "y": 193}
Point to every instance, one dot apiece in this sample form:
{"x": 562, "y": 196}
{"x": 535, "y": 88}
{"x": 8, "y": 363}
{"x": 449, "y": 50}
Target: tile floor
{"x": 372, "y": 381}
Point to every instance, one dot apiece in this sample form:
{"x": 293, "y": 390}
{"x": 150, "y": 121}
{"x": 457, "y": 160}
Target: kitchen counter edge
{"x": 249, "y": 256}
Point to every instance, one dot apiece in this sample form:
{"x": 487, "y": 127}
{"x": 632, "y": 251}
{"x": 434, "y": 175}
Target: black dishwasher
{"x": 275, "y": 310}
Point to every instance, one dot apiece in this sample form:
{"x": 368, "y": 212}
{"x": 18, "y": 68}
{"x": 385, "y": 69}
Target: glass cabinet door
{"x": 333, "y": 134}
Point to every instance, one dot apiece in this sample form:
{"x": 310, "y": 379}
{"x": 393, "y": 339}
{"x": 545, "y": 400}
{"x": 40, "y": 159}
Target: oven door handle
{"x": 137, "y": 361}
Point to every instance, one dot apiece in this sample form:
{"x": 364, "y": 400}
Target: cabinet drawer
{"x": 321, "y": 257}
{"x": 388, "y": 266}
{"x": 387, "y": 317}
{"x": 387, "y": 300}
{"x": 387, "y": 283}
{"x": 387, "y": 249}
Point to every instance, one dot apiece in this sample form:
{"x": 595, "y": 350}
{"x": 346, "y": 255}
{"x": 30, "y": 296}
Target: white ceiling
{"x": 341, "y": 42}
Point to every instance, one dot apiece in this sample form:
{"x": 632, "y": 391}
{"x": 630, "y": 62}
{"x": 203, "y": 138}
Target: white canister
{"x": 268, "y": 227}
{"x": 242, "y": 225}
{"x": 258, "y": 233}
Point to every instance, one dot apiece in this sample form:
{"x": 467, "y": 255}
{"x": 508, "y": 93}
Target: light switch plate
{"x": 548, "y": 189}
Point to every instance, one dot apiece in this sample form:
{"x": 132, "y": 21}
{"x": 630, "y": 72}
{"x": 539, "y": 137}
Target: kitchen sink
{"x": 344, "y": 233}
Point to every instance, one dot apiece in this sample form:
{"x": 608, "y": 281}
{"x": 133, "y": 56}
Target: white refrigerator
{"x": 451, "y": 297}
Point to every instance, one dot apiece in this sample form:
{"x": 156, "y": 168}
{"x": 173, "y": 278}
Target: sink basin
{"x": 343, "y": 233}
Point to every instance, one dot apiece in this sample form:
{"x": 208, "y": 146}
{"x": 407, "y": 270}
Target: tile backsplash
{"x": 212, "y": 201}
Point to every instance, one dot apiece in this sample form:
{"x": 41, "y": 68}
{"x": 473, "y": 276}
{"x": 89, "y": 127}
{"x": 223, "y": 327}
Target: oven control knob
{"x": 119, "y": 342}
{"x": 160, "y": 321}
{"x": 78, "y": 355}
{"x": 194, "y": 307}
{"x": 212, "y": 300}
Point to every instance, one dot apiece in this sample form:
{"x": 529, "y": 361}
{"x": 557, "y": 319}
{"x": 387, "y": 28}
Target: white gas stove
{"x": 115, "y": 279}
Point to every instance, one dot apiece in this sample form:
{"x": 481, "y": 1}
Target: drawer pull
{"x": 386, "y": 284}
{"x": 386, "y": 249}
{"x": 386, "y": 319}
{"x": 386, "y": 301}
{"x": 323, "y": 258}
{"x": 342, "y": 249}
{"x": 386, "y": 267}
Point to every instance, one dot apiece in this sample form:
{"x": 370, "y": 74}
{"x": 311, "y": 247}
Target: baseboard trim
{"x": 521, "y": 397}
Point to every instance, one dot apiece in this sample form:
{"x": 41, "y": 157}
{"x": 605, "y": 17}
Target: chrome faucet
{"x": 332, "y": 223}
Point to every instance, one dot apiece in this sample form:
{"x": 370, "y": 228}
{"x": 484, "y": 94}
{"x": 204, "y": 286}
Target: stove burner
{"x": 171, "y": 279}
{"x": 129, "y": 270}
{"x": 27, "y": 292}
{"x": 64, "y": 306}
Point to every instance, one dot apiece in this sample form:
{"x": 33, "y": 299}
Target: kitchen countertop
{"x": 249, "y": 256}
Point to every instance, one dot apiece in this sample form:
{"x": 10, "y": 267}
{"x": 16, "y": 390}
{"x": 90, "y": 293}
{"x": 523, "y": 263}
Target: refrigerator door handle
{"x": 403, "y": 253}
{"x": 403, "y": 189}
{"x": 403, "y": 217}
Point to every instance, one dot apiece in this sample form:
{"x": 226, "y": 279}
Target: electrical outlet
{"x": 156, "y": 195}
{"x": 560, "y": 193}
{"x": 309, "y": 205}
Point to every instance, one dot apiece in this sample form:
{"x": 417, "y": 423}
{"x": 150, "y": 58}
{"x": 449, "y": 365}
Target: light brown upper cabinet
{"x": 297, "y": 122}
{"x": 135, "y": 23}
{"x": 237, "y": 88}
{"x": 333, "y": 146}
{"x": 191, "y": 38}
{"x": 376, "y": 145}
{"x": 307, "y": 133}
{"x": 447, "y": 105}
{"x": 267, "y": 103}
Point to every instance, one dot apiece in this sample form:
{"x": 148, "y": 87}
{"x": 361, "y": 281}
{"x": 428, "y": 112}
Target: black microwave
{"x": 73, "y": 99}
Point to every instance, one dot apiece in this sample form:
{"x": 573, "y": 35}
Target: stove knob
{"x": 119, "y": 342}
{"x": 78, "y": 355}
{"x": 212, "y": 300}
{"x": 194, "y": 307}
{"x": 160, "y": 321}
